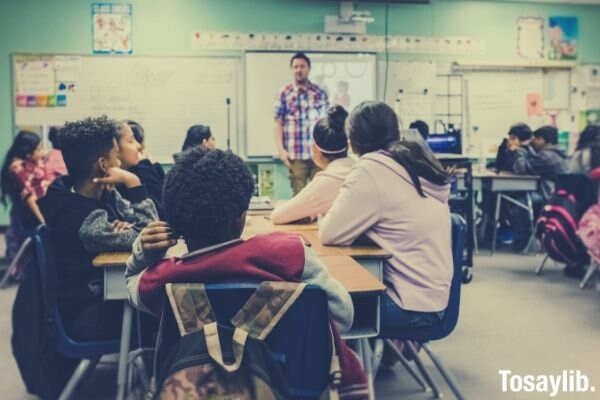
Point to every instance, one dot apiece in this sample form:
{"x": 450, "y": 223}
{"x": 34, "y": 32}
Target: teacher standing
{"x": 298, "y": 108}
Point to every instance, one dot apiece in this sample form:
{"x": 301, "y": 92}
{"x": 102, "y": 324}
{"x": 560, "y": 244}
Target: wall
{"x": 164, "y": 27}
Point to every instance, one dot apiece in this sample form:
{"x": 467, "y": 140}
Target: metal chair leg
{"x": 496, "y": 218}
{"x": 592, "y": 268}
{"x": 15, "y": 261}
{"x": 531, "y": 222}
{"x": 541, "y": 266}
{"x": 377, "y": 355}
{"x": 407, "y": 366}
{"x": 446, "y": 374}
{"x": 436, "y": 391}
{"x": 81, "y": 370}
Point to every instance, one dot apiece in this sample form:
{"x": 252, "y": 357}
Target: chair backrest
{"x": 301, "y": 339}
{"x": 579, "y": 185}
{"x": 448, "y": 323}
{"x": 49, "y": 281}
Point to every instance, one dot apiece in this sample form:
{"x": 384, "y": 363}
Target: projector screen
{"x": 348, "y": 79}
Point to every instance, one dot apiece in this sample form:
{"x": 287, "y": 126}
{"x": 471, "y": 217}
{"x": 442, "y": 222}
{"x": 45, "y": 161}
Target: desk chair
{"x": 446, "y": 325}
{"x": 301, "y": 339}
{"x": 89, "y": 352}
{"x": 527, "y": 206}
{"x": 12, "y": 268}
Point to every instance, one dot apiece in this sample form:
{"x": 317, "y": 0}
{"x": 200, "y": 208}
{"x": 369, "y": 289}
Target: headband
{"x": 330, "y": 151}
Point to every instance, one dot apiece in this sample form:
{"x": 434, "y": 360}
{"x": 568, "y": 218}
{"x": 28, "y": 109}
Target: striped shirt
{"x": 298, "y": 109}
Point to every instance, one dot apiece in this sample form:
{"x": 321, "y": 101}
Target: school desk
{"x": 363, "y": 287}
{"x": 502, "y": 183}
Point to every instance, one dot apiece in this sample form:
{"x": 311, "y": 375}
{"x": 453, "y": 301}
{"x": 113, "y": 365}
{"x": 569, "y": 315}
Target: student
{"x": 23, "y": 181}
{"x": 587, "y": 152}
{"x": 199, "y": 135}
{"x": 396, "y": 195}
{"x": 546, "y": 159}
{"x": 330, "y": 153}
{"x": 134, "y": 159}
{"x": 519, "y": 137}
{"x": 138, "y": 133}
{"x": 55, "y": 165}
{"x": 207, "y": 194}
{"x": 86, "y": 216}
{"x": 422, "y": 127}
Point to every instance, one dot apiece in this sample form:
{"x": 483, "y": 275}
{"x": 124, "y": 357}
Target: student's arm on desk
{"x": 310, "y": 202}
{"x": 353, "y": 212}
{"x": 97, "y": 233}
{"x": 338, "y": 300}
{"x": 157, "y": 237}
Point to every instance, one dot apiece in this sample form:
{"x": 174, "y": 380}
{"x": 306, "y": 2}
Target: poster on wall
{"x": 530, "y": 34}
{"x": 564, "y": 32}
{"x": 111, "y": 28}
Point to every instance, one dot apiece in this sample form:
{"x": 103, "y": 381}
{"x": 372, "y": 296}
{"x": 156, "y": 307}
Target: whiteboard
{"x": 498, "y": 100}
{"x": 166, "y": 95}
{"x": 267, "y": 73}
{"x": 411, "y": 90}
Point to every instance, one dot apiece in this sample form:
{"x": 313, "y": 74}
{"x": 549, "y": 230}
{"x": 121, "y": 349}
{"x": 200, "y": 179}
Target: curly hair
{"x": 205, "y": 192}
{"x": 83, "y": 142}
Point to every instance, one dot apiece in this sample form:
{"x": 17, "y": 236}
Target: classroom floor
{"x": 510, "y": 319}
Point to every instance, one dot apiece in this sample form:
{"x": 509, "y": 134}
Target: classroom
{"x": 376, "y": 199}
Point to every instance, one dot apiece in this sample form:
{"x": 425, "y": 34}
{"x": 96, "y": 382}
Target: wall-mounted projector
{"x": 349, "y": 20}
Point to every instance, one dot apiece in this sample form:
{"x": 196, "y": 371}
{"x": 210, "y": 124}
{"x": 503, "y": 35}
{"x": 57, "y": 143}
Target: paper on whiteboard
{"x": 556, "y": 89}
{"x": 530, "y": 37}
{"x": 68, "y": 68}
{"x": 592, "y": 98}
{"x": 34, "y": 77}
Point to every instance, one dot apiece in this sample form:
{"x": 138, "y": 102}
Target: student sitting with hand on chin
{"x": 85, "y": 217}
{"x": 330, "y": 154}
{"x": 134, "y": 160}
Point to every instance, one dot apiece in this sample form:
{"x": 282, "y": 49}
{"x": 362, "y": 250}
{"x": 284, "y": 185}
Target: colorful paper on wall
{"x": 534, "y": 104}
{"x": 61, "y": 100}
{"x": 564, "y": 32}
{"x": 111, "y": 28}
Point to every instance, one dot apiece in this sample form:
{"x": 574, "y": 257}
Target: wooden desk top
{"x": 257, "y": 224}
{"x": 349, "y": 272}
{"x": 352, "y": 275}
{"x": 492, "y": 174}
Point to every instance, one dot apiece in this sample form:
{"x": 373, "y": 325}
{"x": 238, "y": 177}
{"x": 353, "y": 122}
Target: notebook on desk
{"x": 260, "y": 203}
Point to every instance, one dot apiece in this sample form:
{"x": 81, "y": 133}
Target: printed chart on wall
{"x": 348, "y": 79}
{"x": 166, "y": 95}
{"x": 111, "y": 28}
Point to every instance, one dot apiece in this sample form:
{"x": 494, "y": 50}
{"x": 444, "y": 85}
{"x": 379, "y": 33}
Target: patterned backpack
{"x": 203, "y": 357}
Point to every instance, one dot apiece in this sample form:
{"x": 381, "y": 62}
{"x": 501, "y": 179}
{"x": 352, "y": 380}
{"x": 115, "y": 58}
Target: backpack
{"x": 44, "y": 371}
{"x": 589, "y": 232}
{"x": 556, "y": 227}
{"x": 209, "y": 359}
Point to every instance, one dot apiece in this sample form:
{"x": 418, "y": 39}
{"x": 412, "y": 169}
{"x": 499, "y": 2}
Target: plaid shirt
{"x": 299, "y": 109}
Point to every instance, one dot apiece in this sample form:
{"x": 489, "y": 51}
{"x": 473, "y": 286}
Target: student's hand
{"x": 117, "y": 176}
{"x": 157, "y": 236}
{"x": 121, "y": 226}
{"x": 283, "y": 156}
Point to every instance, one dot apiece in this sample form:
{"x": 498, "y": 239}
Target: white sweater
{"x": 316, "y": 198}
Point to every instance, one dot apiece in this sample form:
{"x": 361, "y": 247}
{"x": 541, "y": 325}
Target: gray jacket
{"x": 546, "y": 163}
